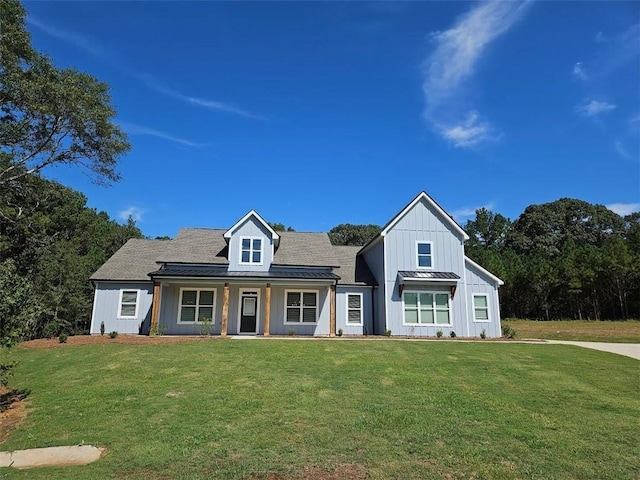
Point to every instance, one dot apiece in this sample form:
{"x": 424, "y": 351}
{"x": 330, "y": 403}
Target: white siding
{"x": 250, "y": 228}
{"x": 477, "y": 282}
{"x": 423, "y": 223}
{"x": 341, "y": 311}
{"x": 106, "y": 308}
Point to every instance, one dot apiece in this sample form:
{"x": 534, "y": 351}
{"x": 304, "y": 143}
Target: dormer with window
{"x": 252, "y": 243}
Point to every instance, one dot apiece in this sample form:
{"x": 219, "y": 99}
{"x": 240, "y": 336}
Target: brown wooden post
{"x": 332, "y": 311}
{"x": 267, "y": 309}
{"x": 155, "y": 310}
{"x": 225, "y": 310}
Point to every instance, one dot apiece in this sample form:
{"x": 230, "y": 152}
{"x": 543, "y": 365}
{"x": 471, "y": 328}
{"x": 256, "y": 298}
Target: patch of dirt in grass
{"x": 12, "y": 410}
{"x": 102, "y": 339}
{"x": 345, "y": 471}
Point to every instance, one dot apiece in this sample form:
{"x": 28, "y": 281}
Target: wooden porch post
{"x": 225, "y": 310}
{"x": 332, "y": 311}
{"x": 155, "y": 310}
{"x": 267, "y": 309}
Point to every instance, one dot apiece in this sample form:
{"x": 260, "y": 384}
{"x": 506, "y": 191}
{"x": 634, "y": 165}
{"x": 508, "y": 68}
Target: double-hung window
{"x": 424, "y": 258}
{"x": 426, "y": 308}
{"x": 301, "y": 306}
{"x": 128, "y": 304}
{"x": 196, "y": 305}
{"x": 354, "y": 308}
{"x": 251, "y": 250}
{"x": 480, "y": 308}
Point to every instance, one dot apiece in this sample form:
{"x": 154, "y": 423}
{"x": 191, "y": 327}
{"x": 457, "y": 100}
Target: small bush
{"x": 340, "y": 332}
{"x": 439, "y": 334}
{"x": 453, "y": 334}
{"x": 387, "y": 333}
{"x": 101, "y": 328}
{"x": 205, "y": 327}
{"x": 366, "y": 330}
{"x": 483, "y": 334}
{"x": 62, "y": 338}
{"x": 508, "y": 332}
{"x": 291, "y": 332}
{"x": 157, "y": 329}
{"x": 113, "y": 334}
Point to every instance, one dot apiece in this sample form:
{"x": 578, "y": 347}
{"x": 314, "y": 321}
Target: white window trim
{"x": 301, "y": 291}
{"x": 434, "y": 324}
{"x": 257, "y": 297}
{"x": 197, "y": 305}
{"x": 346, "y": 320}
{"x": 418, "y": 267}
{"x": 251, "y": 251}
{"x": 473, "y": 304}
{"x": 122, "y": 290}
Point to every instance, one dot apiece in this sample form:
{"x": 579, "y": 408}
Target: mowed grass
{"x": 233, "y": 409}
{"x": 578, "y": 330}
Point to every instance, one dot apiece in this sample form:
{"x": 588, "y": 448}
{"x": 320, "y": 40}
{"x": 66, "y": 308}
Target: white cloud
{"x": 201, "y": 102}
{"x": 594, "y": 107}
{"x": 467, "y": 212}
{"x": 453, "y": 62}
{"x": 86, "y": 44}
{"x": 621, "y": 150}
{"x": 624, "y": 209}
{"x": 134, "y": 129}
{"x": 578, "y": 71}
{"x": 133, "y": 212}
{"x": 472, "y": 131}
{"x": 78, "y": 41}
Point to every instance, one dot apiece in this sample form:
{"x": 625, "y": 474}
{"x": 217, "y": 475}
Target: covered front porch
{"x": 197, "y": 300}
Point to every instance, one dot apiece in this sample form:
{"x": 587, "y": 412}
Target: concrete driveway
{"x": 627, "y": 349}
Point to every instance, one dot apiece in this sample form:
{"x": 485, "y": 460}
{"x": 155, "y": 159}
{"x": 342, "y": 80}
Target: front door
{"x": 249, "y": 311}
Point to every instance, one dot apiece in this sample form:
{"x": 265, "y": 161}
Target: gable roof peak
{"x": 396, "y": 218}
{"x": 254, "y": 214}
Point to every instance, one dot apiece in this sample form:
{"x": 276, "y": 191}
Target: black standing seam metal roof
{"x": 214, "y": 272}
{"x": 423, "y": 275}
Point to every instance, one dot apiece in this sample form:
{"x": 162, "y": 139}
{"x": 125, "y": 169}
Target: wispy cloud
{"x": 621, "y": 150}
{"x": 91, "y": 47}
{"x": 453, "y": 62}
{"x": 201, "y": 102}
{"x": 472, "y": 131}
{"x": 134, "y": 129}
{"x": 579, "y": 72}
{"x": 133, "y": 212}
{"x": 467, "y": 212}
{"x": 79, "y": 41}
{"x": 624, "y": 209}
{"x": 594, "y": 108}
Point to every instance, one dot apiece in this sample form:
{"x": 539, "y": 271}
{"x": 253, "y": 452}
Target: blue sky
{"x": 316, "y": 114}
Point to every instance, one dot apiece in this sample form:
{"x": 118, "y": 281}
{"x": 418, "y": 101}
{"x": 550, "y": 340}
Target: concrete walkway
{"x": 627, "y": 349}
{"x": 50, "y": 456}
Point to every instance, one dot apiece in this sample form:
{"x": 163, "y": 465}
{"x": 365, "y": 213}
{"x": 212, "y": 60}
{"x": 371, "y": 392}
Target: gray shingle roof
{"x": 353, "y": 269}
{"x": 197, "y": 245}
{"x": 133, "y": 261}
{"x": 137, "y": 258}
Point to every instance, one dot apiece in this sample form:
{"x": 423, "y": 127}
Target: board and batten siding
{"x": 478, "y": 283}
{"x": 250, "y": 228}
{"x": 171, "y": 300}
{"x": 106, "y": 308}
{"x": 423, "y": 223}
{"x": 374, "y": 257}
{"x": 341, "y": 311}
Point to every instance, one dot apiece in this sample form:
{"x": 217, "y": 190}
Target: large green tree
{"x": 350, "y": 234}
{"x": 50, "y": 116}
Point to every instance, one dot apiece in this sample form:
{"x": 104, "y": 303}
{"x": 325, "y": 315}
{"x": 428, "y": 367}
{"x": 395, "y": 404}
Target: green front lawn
{"x": 578, "y": 330}
{"x": 387, "y": 409}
